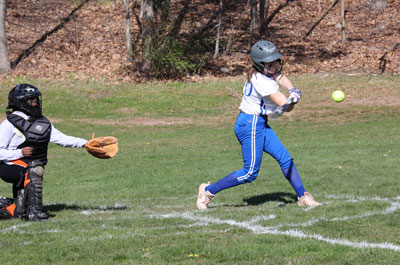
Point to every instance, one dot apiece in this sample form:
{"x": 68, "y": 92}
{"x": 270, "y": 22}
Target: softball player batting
{"x": 261, "y": 96}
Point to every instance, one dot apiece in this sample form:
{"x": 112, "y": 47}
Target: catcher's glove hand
{"x": 102, "y": 147}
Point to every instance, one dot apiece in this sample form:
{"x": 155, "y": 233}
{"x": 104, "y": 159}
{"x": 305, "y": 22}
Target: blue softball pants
{"x": 256, "y": 137}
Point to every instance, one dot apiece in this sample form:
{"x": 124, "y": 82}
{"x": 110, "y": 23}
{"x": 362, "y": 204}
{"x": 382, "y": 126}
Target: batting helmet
{"x": 18, "y": 99}
{"x": 263, "y": 52}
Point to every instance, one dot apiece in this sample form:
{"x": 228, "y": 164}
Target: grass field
{"x": 139, "y": 208}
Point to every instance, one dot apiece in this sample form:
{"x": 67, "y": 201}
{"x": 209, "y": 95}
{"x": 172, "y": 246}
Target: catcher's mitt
{"x": 102, "y": 147}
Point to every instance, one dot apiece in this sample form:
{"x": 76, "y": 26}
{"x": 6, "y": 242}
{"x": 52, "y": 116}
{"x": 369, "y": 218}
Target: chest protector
{"x": 37, "y": 133}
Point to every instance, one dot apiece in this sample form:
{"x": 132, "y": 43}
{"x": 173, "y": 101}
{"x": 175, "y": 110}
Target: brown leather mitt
{"x": 102, "y": 147}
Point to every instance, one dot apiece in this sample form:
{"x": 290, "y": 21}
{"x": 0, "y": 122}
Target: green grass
{"x": 139, "y": 208}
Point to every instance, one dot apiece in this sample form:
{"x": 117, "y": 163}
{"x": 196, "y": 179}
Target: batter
{"x": 261, "y": 96}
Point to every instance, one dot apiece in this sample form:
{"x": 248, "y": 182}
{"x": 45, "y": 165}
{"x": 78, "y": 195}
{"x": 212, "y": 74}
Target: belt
{"x": 262, "y": 115}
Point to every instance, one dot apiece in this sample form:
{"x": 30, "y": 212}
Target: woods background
{"x": 183, "y": 39}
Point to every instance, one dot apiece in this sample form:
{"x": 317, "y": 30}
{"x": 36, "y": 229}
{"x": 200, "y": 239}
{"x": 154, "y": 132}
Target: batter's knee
{"x": 247, "y": 176}
{"x": 286, "y": 162}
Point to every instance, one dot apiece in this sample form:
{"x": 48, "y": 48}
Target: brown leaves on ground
{"x": 92, "y": 43}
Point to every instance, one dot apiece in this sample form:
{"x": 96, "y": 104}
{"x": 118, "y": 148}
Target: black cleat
{"x": 35, "y": 216}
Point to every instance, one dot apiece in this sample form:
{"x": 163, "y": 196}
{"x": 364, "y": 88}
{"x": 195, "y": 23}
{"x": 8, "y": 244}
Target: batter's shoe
{"x": 204, "y": 197}
{"x": 307, "y": 200}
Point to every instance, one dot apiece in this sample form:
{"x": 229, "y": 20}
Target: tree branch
{"x": 319, "y": 20}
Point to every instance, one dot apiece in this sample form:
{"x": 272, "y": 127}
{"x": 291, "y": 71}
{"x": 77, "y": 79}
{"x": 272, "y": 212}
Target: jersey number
{"x": 247, "y": 91}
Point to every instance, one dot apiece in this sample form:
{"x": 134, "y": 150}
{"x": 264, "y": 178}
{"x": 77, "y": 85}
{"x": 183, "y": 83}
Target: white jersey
{"x": 255, "y": 95}
{"x": 11, "y": 138}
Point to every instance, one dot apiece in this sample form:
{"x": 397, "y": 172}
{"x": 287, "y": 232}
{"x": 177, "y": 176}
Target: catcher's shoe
{"x": 307, "y": 200}
{"x": 34, "y": 215}
{"x": 204, "y": 197}
{"x": 4, "y": 202}
{"x": 5, "y": 214}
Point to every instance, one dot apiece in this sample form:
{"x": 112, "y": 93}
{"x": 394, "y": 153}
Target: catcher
{"x": 24, "y": 139}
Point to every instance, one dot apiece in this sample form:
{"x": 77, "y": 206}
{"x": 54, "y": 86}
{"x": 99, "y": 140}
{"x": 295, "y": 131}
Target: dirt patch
{"x": 141, "y": 121}
{"x": 209, "y": 121}
{"x": 125, "y": 110}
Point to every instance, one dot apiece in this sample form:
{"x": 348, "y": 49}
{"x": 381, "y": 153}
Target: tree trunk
{"x": 4, "y": 61}
{"x": 147, "y": 16}
{"x": 264, "y": 6}
{"x": 128, "y": 31}
{"x": 343, "y": 26}
{"x": 218, "y": 29}
{"x": 254, "y": 21}
{"x": 179, "y": 19}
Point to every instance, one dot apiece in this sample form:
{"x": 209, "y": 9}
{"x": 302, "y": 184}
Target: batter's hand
{"x": 27, "y": 151}
{"x": 295, "y": 95}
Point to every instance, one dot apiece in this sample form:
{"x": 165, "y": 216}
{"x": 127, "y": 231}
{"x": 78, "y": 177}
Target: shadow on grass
{"x": 282, "y": 197}
{"x": 286, "y": 198}
{"x": 62, "y": 206}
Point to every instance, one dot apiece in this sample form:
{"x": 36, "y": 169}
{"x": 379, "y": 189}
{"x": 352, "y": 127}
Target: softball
{"x": 338, "y": 96}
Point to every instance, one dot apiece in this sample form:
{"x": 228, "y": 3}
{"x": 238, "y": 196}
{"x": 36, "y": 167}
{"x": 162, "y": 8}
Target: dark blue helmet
{"x": 19, "y": 96}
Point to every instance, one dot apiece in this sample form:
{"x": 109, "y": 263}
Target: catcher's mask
{"x": 266, "y": 57}
{"x": 26, "y": 98}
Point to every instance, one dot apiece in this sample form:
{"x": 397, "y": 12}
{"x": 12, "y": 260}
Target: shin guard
{"x": 20, "y": 203}
{"x": 34, "y": 191}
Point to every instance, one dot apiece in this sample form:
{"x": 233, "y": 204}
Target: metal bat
{"x": 280, "y": 110}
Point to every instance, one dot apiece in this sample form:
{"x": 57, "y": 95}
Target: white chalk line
{"x": 394, "y": 206}
{"x": 276, "y": 230}
{"x": 14, "y": 228}
{"x": 259, "y": 229}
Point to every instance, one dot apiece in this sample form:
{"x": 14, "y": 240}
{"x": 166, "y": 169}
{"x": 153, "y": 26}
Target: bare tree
{"x": 343, "y": 25}
{"x": 128, "y": 31}
{"x": 148, "y": 18}
{"x": 319, "y": 20}
{"x": 264, "y": 6}
{"x": 177, "y": 24}
{"x": 254, "y": 21}
{"x": 4, "y": 61}
{"x": 218, "y": 29}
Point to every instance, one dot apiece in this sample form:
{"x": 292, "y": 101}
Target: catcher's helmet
{"x": 263, "y": 52}
{"x": 18, "y": 99}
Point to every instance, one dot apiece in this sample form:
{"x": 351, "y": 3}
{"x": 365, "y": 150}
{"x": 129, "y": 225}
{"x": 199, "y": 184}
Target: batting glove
{"x": 295, "y": 95}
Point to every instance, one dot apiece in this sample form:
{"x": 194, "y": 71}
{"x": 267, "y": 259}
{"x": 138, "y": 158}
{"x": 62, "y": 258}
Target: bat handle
{"x": 290, "y": 101}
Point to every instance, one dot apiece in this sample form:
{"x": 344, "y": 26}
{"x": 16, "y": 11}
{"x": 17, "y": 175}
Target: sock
{"x": 293, "y": 177}
{"x": 225, "y": 183}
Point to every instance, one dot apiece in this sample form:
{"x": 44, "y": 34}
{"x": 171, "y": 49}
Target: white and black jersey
{"x": 11, "y": 139}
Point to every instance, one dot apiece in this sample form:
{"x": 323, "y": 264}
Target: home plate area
{"x": 294, "y": 229}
